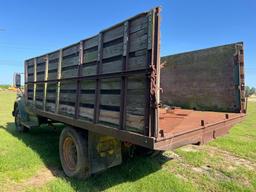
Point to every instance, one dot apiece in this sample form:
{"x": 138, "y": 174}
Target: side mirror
{"x": 17, "y": 80}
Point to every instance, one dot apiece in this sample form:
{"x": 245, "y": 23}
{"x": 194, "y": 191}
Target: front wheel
{"x": 73, "y": 153}
{"x": 18, "y": 124}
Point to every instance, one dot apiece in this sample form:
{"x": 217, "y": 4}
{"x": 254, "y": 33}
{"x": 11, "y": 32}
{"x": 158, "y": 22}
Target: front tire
{"x": 73, "y": 153}
{"x": 18, "y": 125}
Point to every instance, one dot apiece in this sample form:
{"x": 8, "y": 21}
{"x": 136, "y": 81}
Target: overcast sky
{"x": 32, "y": 28}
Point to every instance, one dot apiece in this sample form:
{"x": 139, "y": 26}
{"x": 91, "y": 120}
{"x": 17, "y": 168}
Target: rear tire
{"x": 19, "y": 127}
{"x": 73, "y": 153}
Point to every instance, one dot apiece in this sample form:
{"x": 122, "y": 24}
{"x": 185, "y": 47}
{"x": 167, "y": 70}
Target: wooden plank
{"x": 53, "y": 55}
{"x": 86, "y": 112}
{"x": 51, "y": 86}
{"x": 45, "y": 78}
{"x": 112, "y": 67}
{"x": 136, "y": 82}
{"x": 135, "y": 104}
{"x": 78, "y": 82}
{"x": 90, "y": 56}
{"x": 88, "y": 84}
{"x": 89, "y": 70}
{"x": 30, "y": 70}
{"x": 98, "y": 82}
{"x": 52, "y": 75}
{"x": 136, "y": 63}
{"x": 68, "y": 85}
{"x": 125, "y": 59}
{"x": 58, "y": 77}
{"x": 53, "y": 64}
{"x": 113, "y": 50}
{"x": 30, "y": 94}
{"x": 35, "y": 79}
{"x": 30, "y": 62}
{"x": 111, "y": 100}
{"x": 135, "y": 123}
{"x": 66, "y": 110}
{"x": 113, "y": 33}
{"x": 39, "y": 95}
{"x": 51, "y": 96}
{"x": 51, "y": 92}
{"x": 109, "y": 116}
{"x": 40, "y": 77}
{"x": 31, "y": 78}
{"x": 138, "y": 41}
{"x": 87, "y": 98}
{"x": 69, "y": 73}
{"x": 30, "y": 87}
{"x": 138, "y": 24}
{"x": 50, "y": 107}
{"x": 39, "y": 104}
{"x": 40, "y": 67}
{"x": 111, "y": 83}
{"x": 92, "y": 42}
{"x": 40, "y": 59}
{"x": 71, "y": 50}
{"x": 70, "y": 61}
{"x": 67, "y": 97}
{"x": 40, "y": 86}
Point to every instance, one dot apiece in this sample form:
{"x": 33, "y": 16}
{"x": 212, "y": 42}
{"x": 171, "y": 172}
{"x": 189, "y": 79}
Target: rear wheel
{"x": 73, "y": 153}
{"x": 18, "y": 124}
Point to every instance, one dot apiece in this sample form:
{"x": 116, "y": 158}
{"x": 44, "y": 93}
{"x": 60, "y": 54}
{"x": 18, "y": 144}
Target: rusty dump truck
{"x": 114, "y": 91}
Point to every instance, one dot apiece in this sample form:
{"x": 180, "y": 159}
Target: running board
{"x": 29, "y": 124}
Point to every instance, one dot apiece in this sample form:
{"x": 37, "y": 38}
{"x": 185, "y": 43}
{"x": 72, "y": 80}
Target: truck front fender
{"x": 19, "y": 105}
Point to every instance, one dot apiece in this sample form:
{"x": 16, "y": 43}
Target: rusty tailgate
{"x": 202, "y": 95}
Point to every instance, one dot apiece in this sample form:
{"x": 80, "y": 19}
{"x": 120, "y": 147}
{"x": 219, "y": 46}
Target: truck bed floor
{"x": 178, "y": 127}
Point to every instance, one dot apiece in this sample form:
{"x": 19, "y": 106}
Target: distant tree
{"x": 252, "y": 91}
{"x": 249, "y": 91}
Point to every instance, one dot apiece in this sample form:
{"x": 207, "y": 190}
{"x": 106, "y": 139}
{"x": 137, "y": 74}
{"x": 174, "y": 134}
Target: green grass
{"x": 22, "y": 156}
{"x": 4, "y": 86}
{"x": 242, "y": 139}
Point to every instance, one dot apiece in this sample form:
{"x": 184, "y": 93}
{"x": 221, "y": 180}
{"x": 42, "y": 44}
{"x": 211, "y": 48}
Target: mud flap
{"x": 104, "y": 152}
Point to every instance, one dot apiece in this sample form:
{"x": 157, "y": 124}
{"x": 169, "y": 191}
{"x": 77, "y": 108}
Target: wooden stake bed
{"x": 113, "y": 84}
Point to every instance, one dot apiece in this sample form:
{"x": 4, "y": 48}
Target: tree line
{"x": 249, "y": 91}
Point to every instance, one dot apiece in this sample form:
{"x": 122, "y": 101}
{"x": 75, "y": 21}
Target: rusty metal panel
{"x": 209, "y": 79}
{"x": 179, "y": 127}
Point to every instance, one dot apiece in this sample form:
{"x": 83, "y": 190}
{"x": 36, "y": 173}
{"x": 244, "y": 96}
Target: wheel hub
{"x": 70, "y": 153}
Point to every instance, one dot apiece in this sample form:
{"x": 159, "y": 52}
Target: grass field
{"x": 4, "y": 86}
{"x": 30, "y": 162}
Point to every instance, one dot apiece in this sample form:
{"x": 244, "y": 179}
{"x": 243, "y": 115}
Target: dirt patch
{"x": 252, "y": 99}
{"x": 211, "y": 172}
{"x": 222, "y": 172}
{"x": 42, "y": 177}
{"x": 190, "y": 148}
{"x": 229, "y": 157}
{"x": 232, "y": 159}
